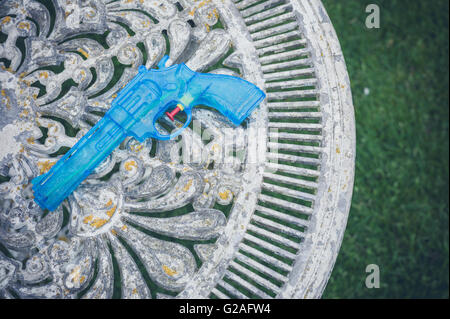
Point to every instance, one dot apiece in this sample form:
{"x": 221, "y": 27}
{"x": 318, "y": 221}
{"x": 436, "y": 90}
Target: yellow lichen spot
{"x": 208, "y": 222}
{"x": 7, "y": 69}
{"x": 114, "y": 95}
{"x": 98, "y": 222}
{"x": 109, "y": 203}
{"x": 24, "y": 113}
{"x": 82, "y": 279}
{"x": 8, "y": 102}
{"x": 111, "y": 211}
{"x": 203, "y": 3}
{"x": 216, "y": 13}
{"x": 134, "y": 291}
{"x": 169, "y": 271}
{"x": 64, "y": 238}
{"x": 75, "y": 274}
{"x": 338, "y": 150}
{"x": 137, "y": 148}
{"x": 6, "y": 19}
{"x": 224, "y": 195}
{"x": 145, "y": 24}
{"x": 24, "y": 25}
{"x": 129, "y": 165}
{"x": 43, "y": 74}
{"x": 124, "y": 227}
{"x": 87, "y": 219}
{"x": 188, "y": 185}
{"x": 45, "y": 166}
{"x": 113, "y": 232}
{"x": 30, "y": 140}
{"x": 84, "y": 53}
{"x": 208, "y": 28}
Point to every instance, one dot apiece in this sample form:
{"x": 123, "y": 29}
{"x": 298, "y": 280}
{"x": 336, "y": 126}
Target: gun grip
{"x": 233, "y": 97}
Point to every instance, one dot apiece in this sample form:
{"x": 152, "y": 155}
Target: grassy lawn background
{"x": 399, "y": 214}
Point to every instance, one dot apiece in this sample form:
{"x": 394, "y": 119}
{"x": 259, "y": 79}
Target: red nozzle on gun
{"x": 175, "y": 111}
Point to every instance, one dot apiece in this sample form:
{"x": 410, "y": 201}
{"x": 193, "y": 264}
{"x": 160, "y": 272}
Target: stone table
{"x": 257, "y": 211}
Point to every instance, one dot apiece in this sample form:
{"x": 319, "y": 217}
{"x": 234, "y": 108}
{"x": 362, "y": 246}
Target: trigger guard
{"x": 162, "y": 137}
{"x": 181, "y": 129}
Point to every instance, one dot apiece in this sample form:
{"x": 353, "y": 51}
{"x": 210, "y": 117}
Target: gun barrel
{"x": 51, "y": 188}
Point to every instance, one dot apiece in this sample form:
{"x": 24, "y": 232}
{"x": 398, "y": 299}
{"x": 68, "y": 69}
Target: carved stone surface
{"x": 254, "y": 211}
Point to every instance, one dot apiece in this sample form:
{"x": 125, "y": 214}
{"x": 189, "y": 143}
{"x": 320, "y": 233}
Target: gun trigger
{"x": 174, "y": 112}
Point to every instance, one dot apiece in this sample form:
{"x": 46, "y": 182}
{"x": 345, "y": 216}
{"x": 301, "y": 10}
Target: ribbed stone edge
{"x": 314, "y": 265}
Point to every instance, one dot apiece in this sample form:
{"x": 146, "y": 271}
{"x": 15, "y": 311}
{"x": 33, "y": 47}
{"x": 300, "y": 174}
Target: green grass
{"x": 399, "y": 214}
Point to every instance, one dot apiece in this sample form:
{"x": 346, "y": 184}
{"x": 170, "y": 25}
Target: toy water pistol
{"x": 134, "y": 112}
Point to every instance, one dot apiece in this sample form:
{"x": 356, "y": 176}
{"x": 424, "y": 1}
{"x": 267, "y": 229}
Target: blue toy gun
{"x": 134, "y": 112}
